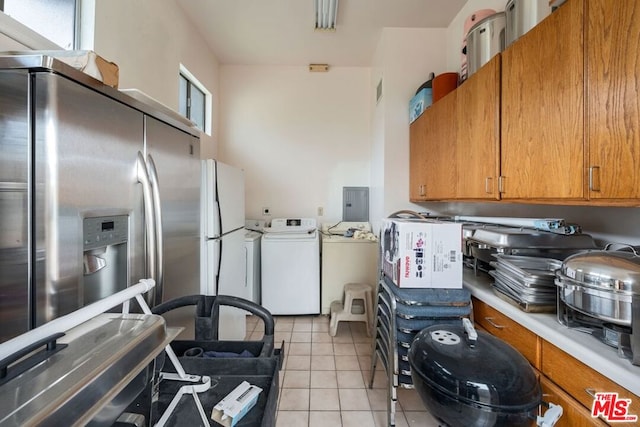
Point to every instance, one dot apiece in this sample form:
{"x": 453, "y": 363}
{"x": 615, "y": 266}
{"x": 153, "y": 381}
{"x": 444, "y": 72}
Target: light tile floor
{"x": 325, "y": 380}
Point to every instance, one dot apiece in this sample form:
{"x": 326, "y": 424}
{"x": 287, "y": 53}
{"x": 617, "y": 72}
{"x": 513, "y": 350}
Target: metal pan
{"x": 529, "y": 266}
{"x": 536, "y": 296}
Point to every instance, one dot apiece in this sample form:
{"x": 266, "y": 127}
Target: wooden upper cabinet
{"x": 543, "y": 142}
{"x": 432, "y": 152}
{"x": 613, "y": 88}
{"x": 440, "y": 145}
{"x": 417, "y": 155}
{"x": 554, "y": 119}
{"x": 478, "y": 133}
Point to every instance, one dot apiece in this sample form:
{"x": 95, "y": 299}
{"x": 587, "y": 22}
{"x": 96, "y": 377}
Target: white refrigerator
{"x": 223, "y": 263}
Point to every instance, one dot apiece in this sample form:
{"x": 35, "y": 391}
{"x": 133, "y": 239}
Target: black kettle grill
{"x": 472, "y": 379}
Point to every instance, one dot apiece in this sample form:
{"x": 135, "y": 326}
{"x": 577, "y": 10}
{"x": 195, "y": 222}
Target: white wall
{"x": 149, "y": 39}
{"x": 376, "y": 196}
{"x": 9, "y": 44}
{"x": 299, "y": 136}
{"x": 14, "y": 36}
{"x": 404, "y": 58}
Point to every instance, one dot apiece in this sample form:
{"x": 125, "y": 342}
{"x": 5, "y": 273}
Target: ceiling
{"x": 281, "y": 32}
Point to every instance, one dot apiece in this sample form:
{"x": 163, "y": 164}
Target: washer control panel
{"x": 293, "y": 224}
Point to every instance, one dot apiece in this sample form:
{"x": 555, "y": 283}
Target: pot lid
{"x": 498, "y": 16}
{"x": 608, "y": 270}
{"x": 513, "y": 237}
{"x": 492, "y": 374}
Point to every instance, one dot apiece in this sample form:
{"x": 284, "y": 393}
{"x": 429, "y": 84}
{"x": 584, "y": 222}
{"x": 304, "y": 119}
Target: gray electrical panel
{"x": 355, "y": 204}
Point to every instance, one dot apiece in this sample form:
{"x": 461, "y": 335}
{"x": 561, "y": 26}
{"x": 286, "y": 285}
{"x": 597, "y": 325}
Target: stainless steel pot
{"x": 485, "y": 40}
{"x": 523, "y": 15}
{"x": 604, "y": 285}
{"x": 601, "y": 283}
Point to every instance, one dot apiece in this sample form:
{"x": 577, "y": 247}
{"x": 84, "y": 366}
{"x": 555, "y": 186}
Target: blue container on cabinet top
{"x": 419, "y": 103}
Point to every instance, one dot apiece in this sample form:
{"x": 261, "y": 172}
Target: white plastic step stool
{"x": 354, "y": 307}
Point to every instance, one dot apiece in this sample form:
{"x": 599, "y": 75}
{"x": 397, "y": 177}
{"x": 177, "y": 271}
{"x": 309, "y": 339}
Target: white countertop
{"x": 337, "y": 238}
{"x": 589, "y": 350}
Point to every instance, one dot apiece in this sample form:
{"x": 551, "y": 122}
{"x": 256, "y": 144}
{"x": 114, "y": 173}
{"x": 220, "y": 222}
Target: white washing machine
{"x": 291, "y": 266}
{"x": 252, "y": 240}
{"x": 347, "y": 260}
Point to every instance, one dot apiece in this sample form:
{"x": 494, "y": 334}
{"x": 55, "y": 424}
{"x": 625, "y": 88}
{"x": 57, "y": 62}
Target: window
{"x": 194, "y": 100}
{"x": 52, "y": 19}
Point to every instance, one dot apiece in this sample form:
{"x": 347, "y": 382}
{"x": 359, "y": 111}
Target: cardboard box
{"x": 88, "y": 62}
{"x": 419, "y": 103}
{"x": 422, "y": 253}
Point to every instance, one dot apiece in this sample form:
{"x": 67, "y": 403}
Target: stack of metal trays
{"x": 526, "y": 281}
{"x": 487, "y": 241}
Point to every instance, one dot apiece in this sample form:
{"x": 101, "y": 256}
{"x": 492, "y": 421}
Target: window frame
{"x": 193, "y": 81}
{"x": 32, "y": 39}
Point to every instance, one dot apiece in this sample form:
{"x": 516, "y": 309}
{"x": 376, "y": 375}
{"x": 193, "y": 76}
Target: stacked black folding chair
{"x": 400, "y": 314}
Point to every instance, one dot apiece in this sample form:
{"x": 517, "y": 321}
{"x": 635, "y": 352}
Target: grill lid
{"x": 491, "y": 375}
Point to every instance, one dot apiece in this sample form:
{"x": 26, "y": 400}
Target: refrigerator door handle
{"x": 217, "y": 268}
{"x": 149, "y": 218}
{"x": 159, "y": 248}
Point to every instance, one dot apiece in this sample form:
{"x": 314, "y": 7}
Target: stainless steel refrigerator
{"x": 224, "y": 255}
{"x": 97, "y": 190}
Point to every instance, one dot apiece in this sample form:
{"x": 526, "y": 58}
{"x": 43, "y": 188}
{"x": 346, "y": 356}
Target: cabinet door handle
{"x": 594, "y": 178}
{"x": 591, "y": 392}
{"x": 488, "y": 185}
{"x": 492, "y": 323}
{"x": 501, "y": 184}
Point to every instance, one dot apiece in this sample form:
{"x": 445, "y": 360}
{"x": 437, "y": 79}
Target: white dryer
{"x": 252, "y": 279}
{"x": 291, "y": 266}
